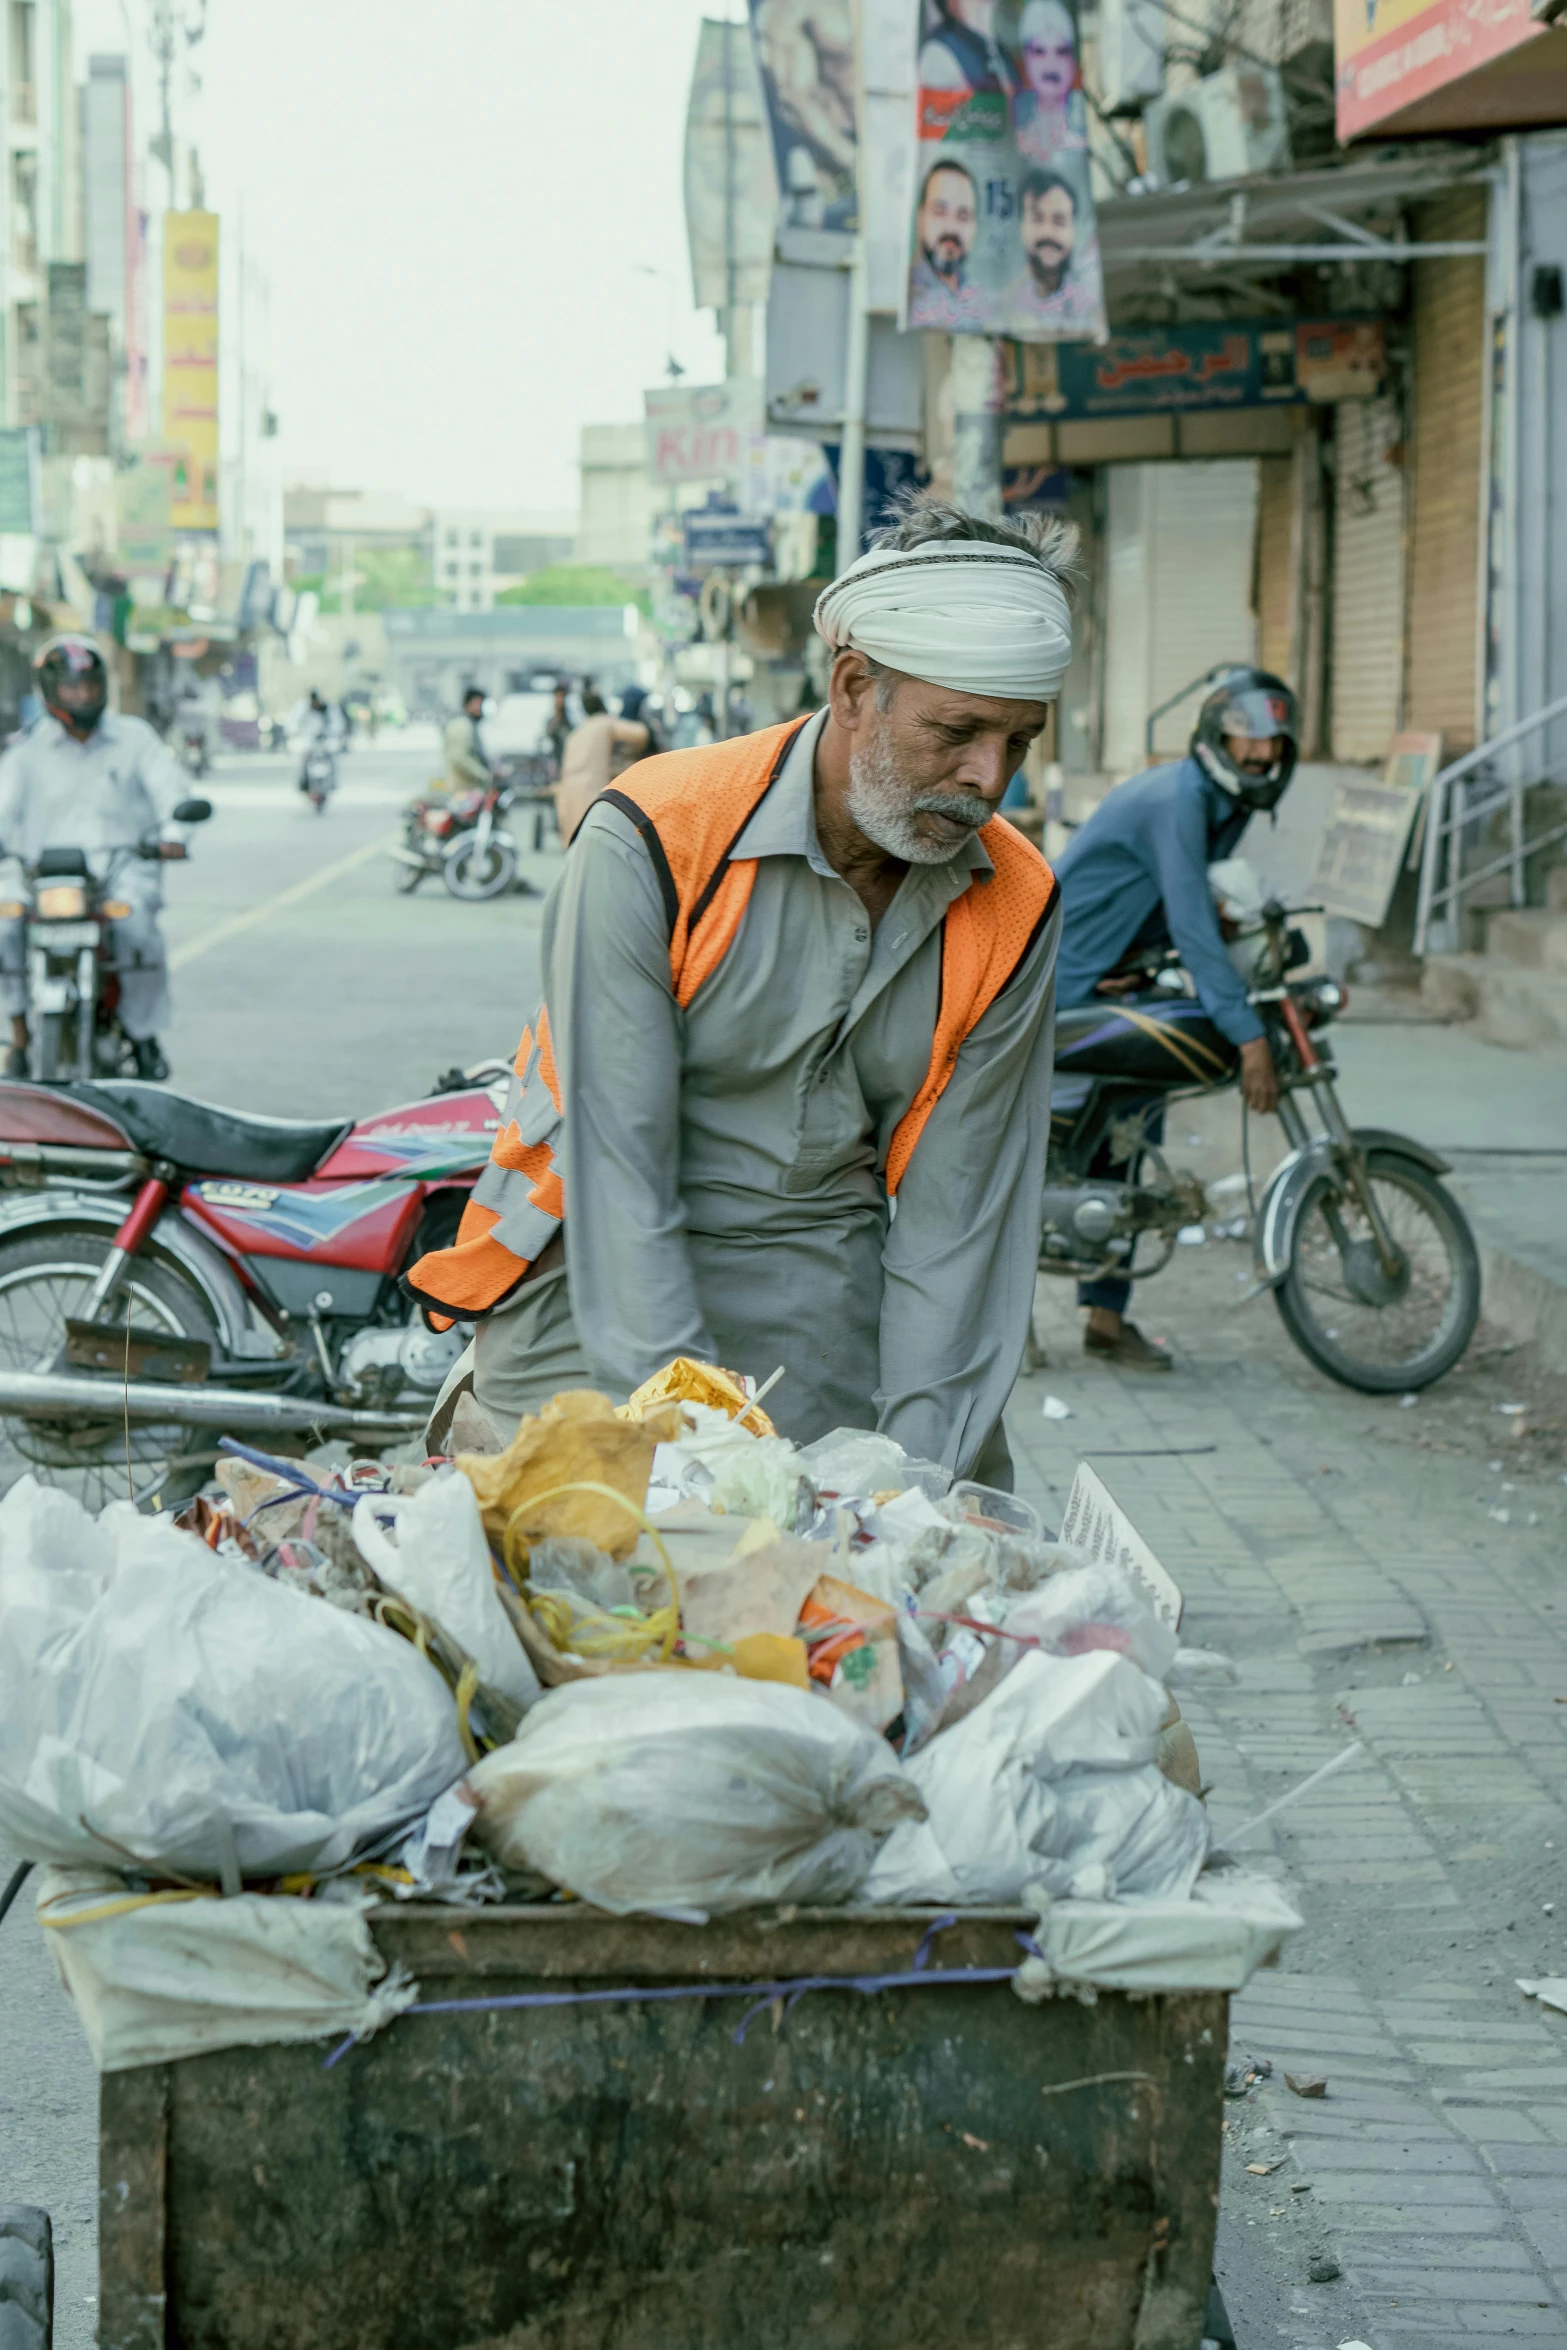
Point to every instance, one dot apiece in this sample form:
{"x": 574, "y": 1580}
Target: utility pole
{"x": 176, "y": 28}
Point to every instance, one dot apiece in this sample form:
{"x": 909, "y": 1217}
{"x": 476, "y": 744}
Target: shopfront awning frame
{"x": 1226, "y": 225}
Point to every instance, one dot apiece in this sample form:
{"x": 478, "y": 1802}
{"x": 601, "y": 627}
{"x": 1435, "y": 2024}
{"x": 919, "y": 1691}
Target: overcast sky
{"x": 450, "y": 203}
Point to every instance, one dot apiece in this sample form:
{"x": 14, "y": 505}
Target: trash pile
{"x": 651, "y": 1656}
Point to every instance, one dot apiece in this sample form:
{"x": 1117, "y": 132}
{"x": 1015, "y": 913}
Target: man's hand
{"x": 1259, "y": 1080}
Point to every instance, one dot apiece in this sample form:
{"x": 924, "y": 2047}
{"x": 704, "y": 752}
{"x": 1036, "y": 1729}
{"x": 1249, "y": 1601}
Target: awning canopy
{"x": 1280, "y": 220}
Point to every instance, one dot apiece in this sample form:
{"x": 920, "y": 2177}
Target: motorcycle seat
{"x": 202, "y": 1139}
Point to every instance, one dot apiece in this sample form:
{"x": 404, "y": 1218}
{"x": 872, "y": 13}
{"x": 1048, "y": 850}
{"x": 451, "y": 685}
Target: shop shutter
{"x": 1445, "y": 500}
{"x": 1368, "y": 580}
{"x": 1180, "y": 558}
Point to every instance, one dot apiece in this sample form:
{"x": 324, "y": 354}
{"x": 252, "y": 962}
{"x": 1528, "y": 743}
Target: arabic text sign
{"x": 731, "y": 542}
{"x": 1158, "y": 369}
{"x": 190, "y": 364}
{"x": 1389, "y": 53}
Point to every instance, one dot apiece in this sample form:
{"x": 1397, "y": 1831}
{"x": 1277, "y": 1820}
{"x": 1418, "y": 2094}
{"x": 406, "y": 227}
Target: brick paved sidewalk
{"x": 1360, "y": 1580}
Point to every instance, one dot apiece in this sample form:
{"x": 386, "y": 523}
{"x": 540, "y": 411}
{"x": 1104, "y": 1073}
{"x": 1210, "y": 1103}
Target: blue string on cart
{"x": 917, "y": 1976}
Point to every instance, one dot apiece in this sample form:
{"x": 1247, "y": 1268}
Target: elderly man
{"x": 788, "y": 1100}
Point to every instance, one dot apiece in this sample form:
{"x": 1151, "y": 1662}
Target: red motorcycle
{"x": 171, "y": 1272}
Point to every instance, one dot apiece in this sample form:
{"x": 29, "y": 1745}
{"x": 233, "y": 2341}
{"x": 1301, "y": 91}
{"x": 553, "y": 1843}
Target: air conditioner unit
{"x": 1131, "y": 53}
{"x": 1223, "y": 128}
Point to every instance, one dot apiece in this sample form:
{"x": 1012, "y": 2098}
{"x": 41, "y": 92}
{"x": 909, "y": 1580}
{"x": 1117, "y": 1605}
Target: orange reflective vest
{"x": 691, "y": 808}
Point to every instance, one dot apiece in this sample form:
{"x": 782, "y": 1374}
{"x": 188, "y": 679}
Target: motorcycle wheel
{"x": 470, "y": 875}
{"x": 45, "y": 1278}
{"x": 406, "y": 878}
{"x": 1337, "y": 1305}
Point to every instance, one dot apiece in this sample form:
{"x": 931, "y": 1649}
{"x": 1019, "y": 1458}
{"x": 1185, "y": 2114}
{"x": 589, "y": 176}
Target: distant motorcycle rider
{"x": 1134, "y": 878}
{"x": 316, "y": 724}
{"x": 91, "y": 778}
{"x": 467, "y": 765}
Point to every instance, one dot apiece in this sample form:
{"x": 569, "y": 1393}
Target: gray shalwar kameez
{"x": 722, "y": 1163}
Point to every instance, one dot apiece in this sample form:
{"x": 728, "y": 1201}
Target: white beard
{"x": 879, "y": 803}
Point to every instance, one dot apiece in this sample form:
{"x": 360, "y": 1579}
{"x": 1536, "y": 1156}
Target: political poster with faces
{"x": 1003, "y": 237}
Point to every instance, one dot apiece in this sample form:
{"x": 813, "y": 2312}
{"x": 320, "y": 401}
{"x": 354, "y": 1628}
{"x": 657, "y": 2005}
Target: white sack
{"x": 1093, "y": 1606}
{"x": 440, "y": 1563}
{"x": 163, "y": 1704}
{"x": 179, "y": 1978}
{"x": 1215, "y": 1941}
{"x": 994, "y": 1808}
{"x": 690, "y": 1793}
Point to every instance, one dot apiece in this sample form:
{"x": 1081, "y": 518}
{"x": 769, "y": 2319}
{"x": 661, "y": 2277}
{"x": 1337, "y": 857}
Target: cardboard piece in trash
{"x": 762, "y": 1590}
{"x": 1096, "y": 1523}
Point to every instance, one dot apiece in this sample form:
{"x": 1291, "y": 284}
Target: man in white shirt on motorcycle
{"x": 87, "y": 777}
{"x": 314, "y": 723}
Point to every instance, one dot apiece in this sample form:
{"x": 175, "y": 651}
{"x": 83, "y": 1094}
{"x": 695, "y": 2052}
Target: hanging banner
{"x": 190, "y": 365}
{"x": 728, "y": 172}
{"x": 1004, "y": 239}
{"x": 805, "y": 54}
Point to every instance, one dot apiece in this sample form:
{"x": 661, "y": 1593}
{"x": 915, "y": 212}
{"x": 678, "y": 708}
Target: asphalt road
{"x": 304, "y": 985}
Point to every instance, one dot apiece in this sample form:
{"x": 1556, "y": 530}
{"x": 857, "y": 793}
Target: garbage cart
{"x": 529, "y": 2160}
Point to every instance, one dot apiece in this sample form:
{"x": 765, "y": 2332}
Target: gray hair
{"x": 920, "y": 519}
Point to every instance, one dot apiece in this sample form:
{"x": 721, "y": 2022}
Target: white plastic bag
{"x": 985, "y": 1781}
{"x": 725, "y": 1467}
{"x": 859, "y": 1462}
{"x": 440, "y": 1563}
{"x": 164, "y": 1706}
{"x": 170, "y": 1979}
{"x": 690, "y": 1793}
{"x": 1094, "y": 1606}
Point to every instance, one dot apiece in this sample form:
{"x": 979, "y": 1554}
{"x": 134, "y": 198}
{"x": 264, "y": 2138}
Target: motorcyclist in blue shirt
{"x": 1135, "y": 877}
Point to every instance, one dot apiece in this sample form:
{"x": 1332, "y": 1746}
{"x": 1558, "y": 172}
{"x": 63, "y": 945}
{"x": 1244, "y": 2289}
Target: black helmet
{"x": 1250, "y": 702}
{"x": 73, "y": 681}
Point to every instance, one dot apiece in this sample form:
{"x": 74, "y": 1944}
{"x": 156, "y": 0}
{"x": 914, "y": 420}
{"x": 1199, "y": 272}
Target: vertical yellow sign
{"x": 190, "y": 365}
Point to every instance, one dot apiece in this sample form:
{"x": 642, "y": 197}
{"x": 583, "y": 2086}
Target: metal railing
{"x": 1208, "y": 677}
{"x": 1445, "y": 880}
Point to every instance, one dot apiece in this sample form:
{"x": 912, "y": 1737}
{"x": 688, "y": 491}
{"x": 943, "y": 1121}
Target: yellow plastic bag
{"x": 578, "y": 1439}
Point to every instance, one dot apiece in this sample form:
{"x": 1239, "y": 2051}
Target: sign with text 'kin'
{"x": 702, "y": 432}
{"x": 190, "y": 365}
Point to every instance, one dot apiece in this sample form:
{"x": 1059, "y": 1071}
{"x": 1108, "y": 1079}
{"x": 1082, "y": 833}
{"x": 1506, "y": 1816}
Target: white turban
{"x": 980, "y": 619}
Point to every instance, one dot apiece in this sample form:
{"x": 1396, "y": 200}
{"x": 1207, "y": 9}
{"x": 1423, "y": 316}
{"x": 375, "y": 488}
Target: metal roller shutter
{"x": 1368, "y": 581}
{"x": 1445, "y": 445}
{"x": 1179, "y": 561}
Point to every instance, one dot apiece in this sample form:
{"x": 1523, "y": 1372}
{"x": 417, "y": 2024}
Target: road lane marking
{"x": 238, "y": 923}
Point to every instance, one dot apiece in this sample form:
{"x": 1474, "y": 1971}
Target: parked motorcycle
{"x": 460, "y": 837}
{"x": 318, "y": 779}
{"x": 171, "y": 1271}
{"x": 73, "y": 987}
{"x": 1369, "y": 1257}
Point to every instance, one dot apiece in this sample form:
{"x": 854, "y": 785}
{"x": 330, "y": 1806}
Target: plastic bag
{"x": 552, "y": 1477}
{"x": 986, "y": 1781}
{"x": 1094, "y": 1606}
{"x": 691, "y": 1793}
{"x": 744, "y": 1476}
{"x": 1118, "y": 1835}
{"x": 440, "y": 1562}
{"x": 857, "y": 1461}
{"x": 198, "y": 1717}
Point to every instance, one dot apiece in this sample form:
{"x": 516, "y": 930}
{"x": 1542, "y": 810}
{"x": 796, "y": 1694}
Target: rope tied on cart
{"x": 784, "y": 1995}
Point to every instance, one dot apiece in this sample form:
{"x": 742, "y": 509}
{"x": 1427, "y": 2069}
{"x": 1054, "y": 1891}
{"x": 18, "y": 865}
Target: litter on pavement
{"x": 650, "y": 1656}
